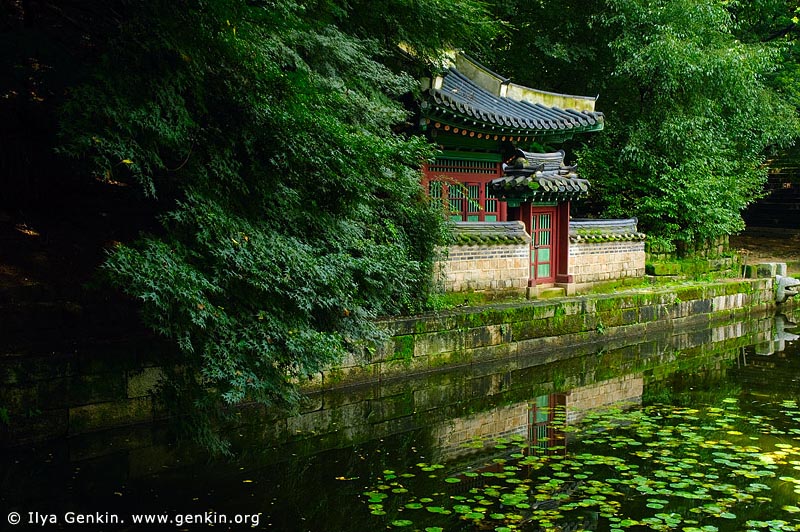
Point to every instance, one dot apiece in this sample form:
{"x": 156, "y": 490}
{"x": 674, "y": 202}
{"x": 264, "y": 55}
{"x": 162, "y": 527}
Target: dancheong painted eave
{"x": 468, "y": 97}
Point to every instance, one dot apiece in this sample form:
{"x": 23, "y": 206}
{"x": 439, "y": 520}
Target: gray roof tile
{"x": 469, "y": 102}
{"x": 489, "y": 233}
{"x": 539, "y": 177}
{"x": 591, "y": 230}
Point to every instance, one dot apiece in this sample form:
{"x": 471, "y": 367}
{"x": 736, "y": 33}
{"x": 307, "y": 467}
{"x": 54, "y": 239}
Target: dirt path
{"x": 761, "y": 244}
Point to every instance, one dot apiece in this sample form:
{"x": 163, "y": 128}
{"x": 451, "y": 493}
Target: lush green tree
{"x": 551, "y": 45}
{"x": 292, "y": 211}
{"x": 686, "y": 152}
{"x": 696, "y": 94}
{"x": 775, "y": 22}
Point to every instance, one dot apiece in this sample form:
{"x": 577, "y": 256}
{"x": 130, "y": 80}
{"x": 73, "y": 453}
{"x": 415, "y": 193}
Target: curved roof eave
{"x": 468, "y": 95}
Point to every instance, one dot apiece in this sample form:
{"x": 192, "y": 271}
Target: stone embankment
{"x": 472, "y": 336}
{"x": 88, "y": 387}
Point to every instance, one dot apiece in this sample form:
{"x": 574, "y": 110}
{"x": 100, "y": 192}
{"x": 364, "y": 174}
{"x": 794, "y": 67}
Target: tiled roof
{"x": 539, "y": 177}
{"x": 489, "y": 233}
{"x": 590, "y": 230}
{"x": 459, "y": 100}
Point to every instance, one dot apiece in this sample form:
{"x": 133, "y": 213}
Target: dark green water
{"x": 690, "y": 430}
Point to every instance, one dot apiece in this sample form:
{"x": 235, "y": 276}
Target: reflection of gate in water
{"x": 546, "y": 418}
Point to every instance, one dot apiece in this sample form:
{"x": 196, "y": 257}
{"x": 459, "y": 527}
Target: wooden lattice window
{"x": 456, "y": 202}
{"x": 490, "y": 206}
{"x": 469, "y": 202}
{"x": 473, "y": 206}
{"x": 436, "y": 191}
{"x": 446, "y": 165}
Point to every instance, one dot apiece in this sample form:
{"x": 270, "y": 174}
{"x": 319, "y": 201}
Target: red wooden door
{"x": 544, "y": 248}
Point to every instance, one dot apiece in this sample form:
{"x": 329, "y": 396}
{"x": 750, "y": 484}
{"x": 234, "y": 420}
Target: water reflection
{"x": 708, "y": 447}
{"x": 782, "y": 334}
{"x": 310, "y": 472}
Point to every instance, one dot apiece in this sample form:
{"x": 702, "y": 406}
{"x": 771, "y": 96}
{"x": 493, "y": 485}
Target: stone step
{"x": 549, "y": 293}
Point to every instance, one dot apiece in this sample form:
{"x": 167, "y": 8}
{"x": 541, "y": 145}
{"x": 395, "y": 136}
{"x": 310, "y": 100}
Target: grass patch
{"x": 451, "y": 300}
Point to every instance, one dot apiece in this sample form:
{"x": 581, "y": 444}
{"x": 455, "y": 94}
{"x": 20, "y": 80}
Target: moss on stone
{"x": 144, "y": 382}
{"x": 690, "y": 293}
{"x": 608, "y": 303}
{"x": 85, "y": 389}
{"x": 111, "y": 414}
{"x": 573, "y": 307}
{"x": 738, "y": 287}
{"x": 567, "y": 324}
{"x": 403, "y": 349}
{"x": 450, "y": 358}
{"x": 525, "y": 330}
{"x": 544, "y": 310}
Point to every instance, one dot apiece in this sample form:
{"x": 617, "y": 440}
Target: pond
{"x": 693, "y": 430}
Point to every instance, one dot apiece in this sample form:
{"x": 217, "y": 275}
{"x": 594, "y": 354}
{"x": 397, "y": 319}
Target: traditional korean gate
{"x": 543, "y": 245}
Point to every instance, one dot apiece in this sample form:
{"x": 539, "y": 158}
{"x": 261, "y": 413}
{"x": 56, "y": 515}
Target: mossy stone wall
{"x": 92, "y": 386}
{"x": 110, "y": 385}
{"x": 467, "y": 337}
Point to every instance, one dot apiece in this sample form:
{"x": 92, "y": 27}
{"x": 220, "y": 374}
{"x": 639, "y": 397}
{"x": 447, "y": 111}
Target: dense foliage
{"x": 292, "y": 212}
{"x": 269, "y": 136}
{"x": 698, "y": 119}
{"x": 695, "y": 99}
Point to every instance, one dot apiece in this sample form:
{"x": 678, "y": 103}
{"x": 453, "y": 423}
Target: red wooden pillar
{"x": 562, "y": 238}
{"x": 524, "y": 213}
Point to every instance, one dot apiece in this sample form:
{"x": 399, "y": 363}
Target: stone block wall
{"x": 495, "y": 256}
{"x": 690, "y": 267}
{"x": 466, "y": 409}
{"x": 486, "y": 267}
{"x": 487, "y": 256}
{"x": 92, "y": 386}
{"x": 704, "y": 249}
{"x": 605, "y": 250}
{"x": 471, "y": 336}
{"x": 592, "y": 262}
{"x": 96, "y": 387}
